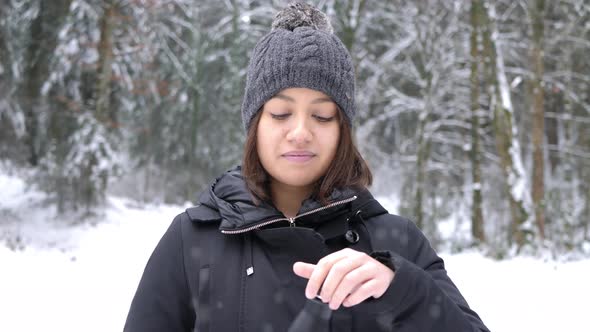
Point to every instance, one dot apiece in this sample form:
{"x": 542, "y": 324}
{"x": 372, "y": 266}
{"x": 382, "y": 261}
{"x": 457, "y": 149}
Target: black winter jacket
{"x": 226, "y": 265}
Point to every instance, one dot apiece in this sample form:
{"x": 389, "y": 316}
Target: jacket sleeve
{"x": 422, "y": 297}
{"x": 162, "y": 301}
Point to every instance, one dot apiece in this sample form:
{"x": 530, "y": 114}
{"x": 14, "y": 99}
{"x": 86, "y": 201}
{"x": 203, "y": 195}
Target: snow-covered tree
{"x": 142, "y": 98}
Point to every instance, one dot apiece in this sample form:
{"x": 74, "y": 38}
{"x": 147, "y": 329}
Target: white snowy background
{"x": 83, "y": 277}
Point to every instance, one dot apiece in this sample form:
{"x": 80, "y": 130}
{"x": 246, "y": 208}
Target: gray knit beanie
{"x": 300, "y": 51}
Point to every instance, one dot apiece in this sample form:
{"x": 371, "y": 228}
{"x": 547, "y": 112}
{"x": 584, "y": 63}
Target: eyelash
{"x": 285, "y": 115}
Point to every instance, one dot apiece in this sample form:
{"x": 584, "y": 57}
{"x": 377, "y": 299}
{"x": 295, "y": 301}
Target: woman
{"x": 295, "y": 221}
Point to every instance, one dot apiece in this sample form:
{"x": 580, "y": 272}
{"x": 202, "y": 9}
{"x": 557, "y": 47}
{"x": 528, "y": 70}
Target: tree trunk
{"x": 349, "y": 15}
{"x": 538, "y": 114}
{"x": 505, "y": 130}
{"x": 420, "y": 185}
{"x": 103, "y": 68}
{"x": 586, "y": 214}
{"x": 477, "y": 229}
{"x": 6, "y": 80}
{"x": 44, "y": 35}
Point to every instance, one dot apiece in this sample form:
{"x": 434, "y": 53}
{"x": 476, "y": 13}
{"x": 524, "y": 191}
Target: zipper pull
{"x": 292, "y": 222}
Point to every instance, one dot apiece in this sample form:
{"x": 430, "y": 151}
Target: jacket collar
{"x": 228, "y": 200}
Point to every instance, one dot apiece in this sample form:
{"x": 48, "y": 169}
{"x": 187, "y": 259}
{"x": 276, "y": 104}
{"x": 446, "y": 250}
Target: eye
{"x": 281, "y": 116}
{"x": 323, "y": 119}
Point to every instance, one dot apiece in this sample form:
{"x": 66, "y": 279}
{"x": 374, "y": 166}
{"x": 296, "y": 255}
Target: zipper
{"x": 290, "y": 220}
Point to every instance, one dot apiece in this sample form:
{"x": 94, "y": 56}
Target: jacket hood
{"x": 229, "y": 201}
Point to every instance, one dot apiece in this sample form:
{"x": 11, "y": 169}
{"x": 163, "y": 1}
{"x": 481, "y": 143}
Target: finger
{"x": 362, "y": 293}
{"x": 350, "y": 283}
{"x": 321, "y": 270}
{"x": 303, "y": 270}
{"x": 318, "y": 276}
{"x": 338, "y": 271}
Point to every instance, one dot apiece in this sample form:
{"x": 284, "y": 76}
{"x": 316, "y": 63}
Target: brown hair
{"x": 347, "y": 169}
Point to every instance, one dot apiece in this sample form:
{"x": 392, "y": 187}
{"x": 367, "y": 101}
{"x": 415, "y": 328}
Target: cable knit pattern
{"x": 303, "y": 57}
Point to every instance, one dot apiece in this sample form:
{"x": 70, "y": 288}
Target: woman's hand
{"x": 346, "y": 277}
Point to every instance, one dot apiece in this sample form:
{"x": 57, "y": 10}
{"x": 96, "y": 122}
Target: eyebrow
{"x": 315, "y": 101}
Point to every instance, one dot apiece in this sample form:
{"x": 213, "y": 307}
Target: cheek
{"x": 331, "y": 141}
{"x": 261, "y": 146}
{"x": 269, "y": 135}
{"x": 265, "y": 144}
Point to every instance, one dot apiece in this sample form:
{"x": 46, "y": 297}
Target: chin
{"x": 302, "y": 178}
{"x": 295, "y": 174}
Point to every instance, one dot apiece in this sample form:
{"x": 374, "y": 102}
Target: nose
{"x": 300, "y": 132}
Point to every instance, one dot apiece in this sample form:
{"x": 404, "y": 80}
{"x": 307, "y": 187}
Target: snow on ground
{"x": 76, "y": 278}
{"x": 82, "y": 277}
{"x": 524, "y": 294}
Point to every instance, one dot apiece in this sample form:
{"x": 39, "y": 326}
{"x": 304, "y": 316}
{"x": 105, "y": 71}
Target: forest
{"x": 475, "y": 113}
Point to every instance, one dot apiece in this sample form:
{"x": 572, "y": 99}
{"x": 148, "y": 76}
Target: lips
{"x": 298, "y": 156}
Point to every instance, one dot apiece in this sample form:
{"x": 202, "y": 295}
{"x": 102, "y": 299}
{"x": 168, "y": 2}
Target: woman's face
{"x": 297, "y": 136}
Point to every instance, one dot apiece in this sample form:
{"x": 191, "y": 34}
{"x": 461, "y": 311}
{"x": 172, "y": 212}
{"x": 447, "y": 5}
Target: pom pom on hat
{"x": 300, "y": 14}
